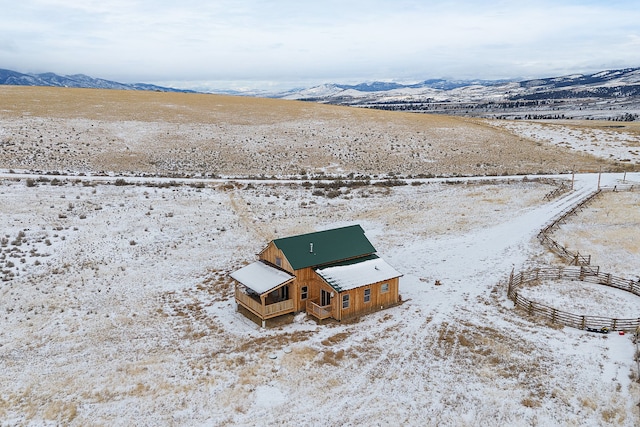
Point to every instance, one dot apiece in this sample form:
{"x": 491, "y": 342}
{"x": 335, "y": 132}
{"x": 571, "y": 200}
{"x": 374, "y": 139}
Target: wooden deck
{"x": 264, "y": 311}
{"x": 318, "y": 311}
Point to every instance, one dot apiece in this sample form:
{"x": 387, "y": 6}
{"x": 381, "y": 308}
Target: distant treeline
{"x": 503, "y": 109}
{"x": 596, "y": 92}
{"x": 458, "y": 106}
{"x": 622, "y": 118}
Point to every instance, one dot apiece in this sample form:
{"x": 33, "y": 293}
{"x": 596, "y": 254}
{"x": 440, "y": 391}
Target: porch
{"x": 261, "y": 308}
{"x": 320, "y": 312}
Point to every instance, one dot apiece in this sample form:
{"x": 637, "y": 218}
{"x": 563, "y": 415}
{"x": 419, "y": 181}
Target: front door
{"x": 325, "y": 298}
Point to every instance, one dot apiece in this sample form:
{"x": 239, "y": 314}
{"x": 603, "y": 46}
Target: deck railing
{"x": 318, "y": 311}
{"x": 264, "y": 311}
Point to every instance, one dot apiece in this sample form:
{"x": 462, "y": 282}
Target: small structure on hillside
{"x": 329, "y": 274}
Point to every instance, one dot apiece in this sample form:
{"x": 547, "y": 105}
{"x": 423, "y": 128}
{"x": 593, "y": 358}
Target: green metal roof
{"x": 325, "y": 247}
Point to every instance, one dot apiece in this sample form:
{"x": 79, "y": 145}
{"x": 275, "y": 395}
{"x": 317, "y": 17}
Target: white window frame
{"x": 346, "y": 300}
{"x": 384, "y": 288}
{"x": 279, "y": 261}
{"x": 304, "y": 292}
{"x": 367, "y": 295}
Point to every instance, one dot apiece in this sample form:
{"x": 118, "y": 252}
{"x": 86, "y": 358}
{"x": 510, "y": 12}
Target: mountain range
{"x": 611, "y": 83}
{"x": 610, "y": 95}
{"x": 9, "y": 77}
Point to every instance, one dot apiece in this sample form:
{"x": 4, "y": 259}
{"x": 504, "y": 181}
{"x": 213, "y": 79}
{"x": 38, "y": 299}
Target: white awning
{"x": 351, "y": 276}
{"x": 261, "y": 277}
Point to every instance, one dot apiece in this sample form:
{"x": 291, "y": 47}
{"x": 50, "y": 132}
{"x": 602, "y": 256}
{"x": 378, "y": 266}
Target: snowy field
{"x": 117, "y": 309}
{"x": 615, "y": 141}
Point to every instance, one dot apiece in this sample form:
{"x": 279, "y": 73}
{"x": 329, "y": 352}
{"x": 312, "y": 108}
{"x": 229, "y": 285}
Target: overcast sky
{"x": 290, "y": 43}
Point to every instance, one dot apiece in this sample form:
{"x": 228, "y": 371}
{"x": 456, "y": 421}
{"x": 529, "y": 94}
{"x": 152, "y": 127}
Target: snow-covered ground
{"x": 117, "y": 309}
{"x": 618, "y": 142}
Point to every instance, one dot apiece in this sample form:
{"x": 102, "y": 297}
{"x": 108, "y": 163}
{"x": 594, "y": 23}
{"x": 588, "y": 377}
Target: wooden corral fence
{"x": 560, "y": 189}
{"x": 581, "y": 273}
{"x": 573, "y": 258}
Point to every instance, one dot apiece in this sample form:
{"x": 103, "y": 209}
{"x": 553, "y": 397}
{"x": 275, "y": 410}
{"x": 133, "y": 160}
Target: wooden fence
{"x": 560, "y": 189}
{"x": 581, "y": 273}
{"x": 573, "y": 258}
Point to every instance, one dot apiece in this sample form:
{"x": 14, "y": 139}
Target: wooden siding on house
{"x": 270, "y": 253}
{"x": 378, "y": 300}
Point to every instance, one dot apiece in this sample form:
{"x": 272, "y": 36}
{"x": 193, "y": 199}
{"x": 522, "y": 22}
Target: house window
{"x": 384, "y": 288}
{"x": 345, "y": 301}
{"x": 304, "y": 291}
{"x": 367, "y": 295}
{"x": 279, "y": 261}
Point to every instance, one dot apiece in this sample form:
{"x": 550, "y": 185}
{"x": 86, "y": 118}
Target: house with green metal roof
{"x": 333, "y": 273}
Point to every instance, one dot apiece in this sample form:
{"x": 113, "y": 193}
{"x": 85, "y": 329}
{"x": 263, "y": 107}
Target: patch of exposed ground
{"x": 87, "y": 130}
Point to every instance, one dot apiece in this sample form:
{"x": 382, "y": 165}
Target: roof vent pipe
{"x": 310, "y": 247}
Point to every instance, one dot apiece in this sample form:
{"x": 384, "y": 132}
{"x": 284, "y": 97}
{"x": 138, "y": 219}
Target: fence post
{"x": 614, "y": 323}
{"x": 553, "y": 316}
{"x": 521, "y": 279}
{"x": 510, "y": 287}
{"x": 530, "y": 309}
{"x": 583, "y": 323}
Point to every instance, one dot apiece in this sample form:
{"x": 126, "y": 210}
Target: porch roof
{"x": 356, "y": 273}
{"x": 261, "y": 277}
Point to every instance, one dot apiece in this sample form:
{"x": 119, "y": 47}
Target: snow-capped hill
{"x": 602, "y": 78}
{"x": 9, "y": 77}
{"x": 371, "y": 90}
{"x": 574, "y": 95}
{"x": 315, "y": 92}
